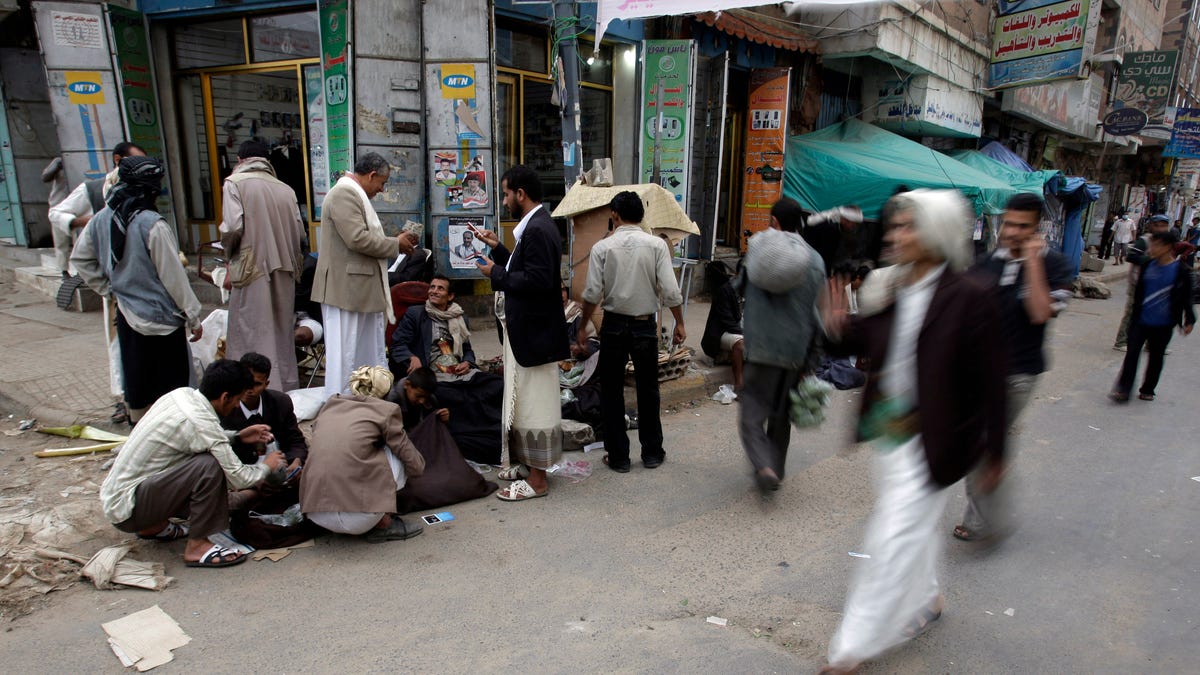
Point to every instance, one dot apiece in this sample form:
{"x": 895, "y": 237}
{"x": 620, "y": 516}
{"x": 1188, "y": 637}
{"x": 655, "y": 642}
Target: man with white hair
{"x": 931, "y": 424}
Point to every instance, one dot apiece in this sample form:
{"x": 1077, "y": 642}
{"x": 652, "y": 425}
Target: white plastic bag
{"x": 724, "y": 395}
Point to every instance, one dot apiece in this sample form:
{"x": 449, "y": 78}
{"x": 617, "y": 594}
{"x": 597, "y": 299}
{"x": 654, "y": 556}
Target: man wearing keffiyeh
{"x": 129, "y": 251}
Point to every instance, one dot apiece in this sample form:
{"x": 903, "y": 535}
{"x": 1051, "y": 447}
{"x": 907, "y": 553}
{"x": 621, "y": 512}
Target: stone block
{"x": 576, "y": 435}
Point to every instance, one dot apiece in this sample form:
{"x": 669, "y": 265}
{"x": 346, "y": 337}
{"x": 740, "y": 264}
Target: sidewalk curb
{"x": 48, "y": 416}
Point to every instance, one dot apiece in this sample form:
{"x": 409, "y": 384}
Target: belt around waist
{"x": 643, "y": 317}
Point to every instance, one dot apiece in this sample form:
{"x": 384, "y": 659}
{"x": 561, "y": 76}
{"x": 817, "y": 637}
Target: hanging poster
{"x": 314, "y": 110}
{"x": 1039, "y": 41}
{"x": 457, "y": 81}
{"x": 465, "y": 246}
{"x": 1185, "y": 135}
{"x": 335, "y": 54}
{"x": 1145, "y": 84}
{"x": 80, "y": 31}
{"x": 458, "y": 180}
{"x": 766, "y": 135}
{"x": 667, "y": 100}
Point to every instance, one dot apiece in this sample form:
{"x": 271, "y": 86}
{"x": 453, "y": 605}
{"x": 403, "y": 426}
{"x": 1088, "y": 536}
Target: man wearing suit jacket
{"x": 266, "y": 406}
{"x": 529, "y": 304}
{"x": 351, "y": 279}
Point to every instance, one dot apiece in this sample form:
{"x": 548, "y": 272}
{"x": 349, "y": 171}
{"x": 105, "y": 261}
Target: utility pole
{"x": 566, "y": 20}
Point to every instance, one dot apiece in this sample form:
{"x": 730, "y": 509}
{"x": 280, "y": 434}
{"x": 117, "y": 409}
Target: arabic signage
{"x": 1071, "y": 107}
{"x": 1038, "y": 41}
{"x": 335, "y": 54}
{"x": 1124, "y": 121}
{"x": 766, "y": 135}
{"x": 921, "y": 105}
{"x": 667, "y": 99}
{"x": 1185, "y": 134}
{"x": 1145, "y": 84}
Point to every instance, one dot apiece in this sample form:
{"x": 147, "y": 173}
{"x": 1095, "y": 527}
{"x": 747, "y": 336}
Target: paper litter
{"x": 277, "y": 554}
{"x": 717, "y": 621}
{"x": 110, "y": 567}
{"x": 145, "y": 639}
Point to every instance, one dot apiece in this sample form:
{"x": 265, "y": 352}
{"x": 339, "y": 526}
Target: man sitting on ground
{"x": 723, "y": 331}
{"x": 436, "y": 336}
{"x": 360, "y": 458}
{"x": 178, "y": 463}
{"x": 266, "y": 406}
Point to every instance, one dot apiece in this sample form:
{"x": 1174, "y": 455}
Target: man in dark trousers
{"x": 273, "y": 408}
{"x": 529, "y": 306}
{"x": 1031, "y": 284}
{"x": 1162, "y": 300}
{"x": 1137, "y": 256}
{"x": 628, "y": 271}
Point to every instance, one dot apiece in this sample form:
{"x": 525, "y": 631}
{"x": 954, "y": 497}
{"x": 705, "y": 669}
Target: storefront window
{"x": 522, "y": 48}
{"x": 213, "y": 43}
{"x": 285, "y": 37}
{"x": 596, "y": 68}
{"x": 192, "y": 126}
{"x": 595, "y": 114}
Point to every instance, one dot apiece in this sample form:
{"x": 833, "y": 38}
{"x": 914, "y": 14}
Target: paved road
{"x": 618, "y": 573}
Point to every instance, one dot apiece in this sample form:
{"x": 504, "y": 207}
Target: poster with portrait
{"x": 445, "y": 168}
{"x": 474, "y": 190}
{"x": 464, "y": 245}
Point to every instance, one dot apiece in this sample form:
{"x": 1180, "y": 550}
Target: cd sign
{"x": 1124, "y": 121}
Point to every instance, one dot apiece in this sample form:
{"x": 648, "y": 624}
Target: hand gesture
{"x": 485, "y": 265}
{"x": 443, "y": 414}
{"x": 407, "y": 242}
{"x": 834, "y": 307}
{"x": 197, "y": 333}
{"x": 275, "y": 460}
{"x": 460, "y": 368}
{"x": 413, "y": 363}
{"x": 256, "y": 433}
{"x": 487, "y": 236}
{"x": 680, "y": 333}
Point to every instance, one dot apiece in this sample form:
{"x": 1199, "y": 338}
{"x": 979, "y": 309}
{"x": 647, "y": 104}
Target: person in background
{"x": 931, "y": 424}
{"x": 72, "y": 214}
{"x": 261, "y": 233}
{"x": 56, "y": 175}
{"x": 827, "y": 232}
{"x": 128, "y": 250}
{"x": 1162, "y": 300}
{"x": 178, "y": 463}
{"x": 534, "y": 331}
{"x": 1137, "y": 255}
{"x": 573, "y": 313}
{"x": 723, "y": 330}
{"x": 350, "y": 281}
{"x": 1031, "y": 284}
{"x": 628, "y": 271}
{"x": 1123, "y": 233}
{"x": 1106, "y": 237}
{"x": 360, "y": 457}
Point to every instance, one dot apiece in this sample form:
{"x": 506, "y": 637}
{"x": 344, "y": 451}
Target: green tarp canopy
{"x": 1024, "y": 181}
{"x": 856, "y": 163}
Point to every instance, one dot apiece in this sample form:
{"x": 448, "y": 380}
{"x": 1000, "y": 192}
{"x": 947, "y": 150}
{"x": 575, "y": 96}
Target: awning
{"x": 760, "y": 29}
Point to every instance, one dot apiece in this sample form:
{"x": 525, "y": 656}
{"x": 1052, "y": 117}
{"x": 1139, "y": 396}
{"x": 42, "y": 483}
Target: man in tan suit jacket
{"x": 351, "y": 276}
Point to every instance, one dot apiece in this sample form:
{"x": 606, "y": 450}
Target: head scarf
{"x": 371, "y": 381}
{"x": 139, "y": 180}
{"x": 942, "y": 219}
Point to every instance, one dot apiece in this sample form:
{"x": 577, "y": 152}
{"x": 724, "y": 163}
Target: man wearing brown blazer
{"x": 351, "y": 277}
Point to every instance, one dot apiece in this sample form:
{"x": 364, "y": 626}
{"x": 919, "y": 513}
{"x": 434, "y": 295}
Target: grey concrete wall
{"x": 31, "y": 126}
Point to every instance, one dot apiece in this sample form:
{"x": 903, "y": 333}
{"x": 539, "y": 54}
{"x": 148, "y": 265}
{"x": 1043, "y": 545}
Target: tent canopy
{"x": 1036, "y": 182}
{"x": 856, "y": 163}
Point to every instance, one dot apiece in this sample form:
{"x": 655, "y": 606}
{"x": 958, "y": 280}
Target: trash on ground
{"x": 480, "y": 469}
{"x": 145, "y": 639}
{"x": 26, "y": 425}
{"x": 724, "y": 395}
{"x": 576, "y": 471}
{"x": 717, "y": 621}
{"x": 1010, "y": 612}
{"x": 1093, "y": 428}
{"x": 110, "y": 568}
{"x": 439, "y": 517}
{"x": 83, "y": 431}
{"x": 225, "y": 538}
{"x": 277, "y": 554}
{"x": 291, "y": 516}
{"x": 598, "y": 445}
{"x": 1196, "y": 478}
{"x": 81, "y": 450}
{"x": 859, "y": 555}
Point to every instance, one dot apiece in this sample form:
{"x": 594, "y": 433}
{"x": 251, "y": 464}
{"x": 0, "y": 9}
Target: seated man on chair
{"x": 436, "y": 336}
{"x": 178, "y": 463}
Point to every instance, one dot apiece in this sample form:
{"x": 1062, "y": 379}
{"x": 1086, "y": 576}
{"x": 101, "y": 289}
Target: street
{"x": 619, "y": 573}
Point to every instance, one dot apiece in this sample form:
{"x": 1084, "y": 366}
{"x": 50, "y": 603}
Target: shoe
{"x": 1118, "y": 348}
{"x": 1118, "y": 397}
{"x": 619, "y": 468}
{"x": 1146, "y": 397}
{"x": 653, "y": 462}
{"x": 120, "y": 414}
{"x": 767, "y": 480}
{"x": 397, "y": 531}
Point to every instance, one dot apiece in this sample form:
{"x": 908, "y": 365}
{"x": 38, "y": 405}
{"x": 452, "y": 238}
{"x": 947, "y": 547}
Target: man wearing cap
{"x": 1137, "y": 256}
{"x": 261, "y": 233}
{"x": 128, "y": 250}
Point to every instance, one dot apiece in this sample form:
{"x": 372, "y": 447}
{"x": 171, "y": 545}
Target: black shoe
{"x": 653, "y": 462}
{"x": 619, "y": 468}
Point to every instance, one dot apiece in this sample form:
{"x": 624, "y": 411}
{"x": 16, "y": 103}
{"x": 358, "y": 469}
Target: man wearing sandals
{"x": 178, "y": 463}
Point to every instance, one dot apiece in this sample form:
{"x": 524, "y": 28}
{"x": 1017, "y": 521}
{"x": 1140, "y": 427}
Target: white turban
{"x": 371, "y": 381}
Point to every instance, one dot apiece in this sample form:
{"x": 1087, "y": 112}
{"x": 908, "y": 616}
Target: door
{"x": 12, "y": 225}
{"x": 708, "y": 146}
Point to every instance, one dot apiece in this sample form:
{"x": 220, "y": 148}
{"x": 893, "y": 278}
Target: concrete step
{"x": 47, "y": 280}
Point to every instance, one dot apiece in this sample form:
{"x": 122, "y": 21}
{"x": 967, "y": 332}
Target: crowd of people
{"x": 951, "y": 348}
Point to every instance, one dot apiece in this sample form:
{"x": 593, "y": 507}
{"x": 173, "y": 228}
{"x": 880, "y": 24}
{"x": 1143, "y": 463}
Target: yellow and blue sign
{"x": 84, "y": 87}
{"x": 458, "y": 80}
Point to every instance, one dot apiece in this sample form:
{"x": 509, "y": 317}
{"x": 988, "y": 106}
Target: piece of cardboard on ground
{"x": 145, "y": 639}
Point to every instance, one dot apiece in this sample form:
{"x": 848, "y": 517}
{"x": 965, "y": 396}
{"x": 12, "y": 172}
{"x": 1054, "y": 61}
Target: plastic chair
{"x": 405, "y": 295}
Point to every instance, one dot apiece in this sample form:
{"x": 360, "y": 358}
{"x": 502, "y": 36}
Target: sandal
{"x": 924, "y": 618}
{"x": 397, "y": 531}
{"x": 520, "y": 491}
{"x": 171, "y": 532}
{"x": 961, "y": 532}
{"x": 1118, "y": 397}
{"x": 514, "y": 472}
{"x": 1146, "y": 397}
{"x": 219, "y": 556}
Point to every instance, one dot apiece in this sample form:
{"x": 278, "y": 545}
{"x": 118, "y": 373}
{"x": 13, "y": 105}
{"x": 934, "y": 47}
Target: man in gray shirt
{"x": 627, "y": 273}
